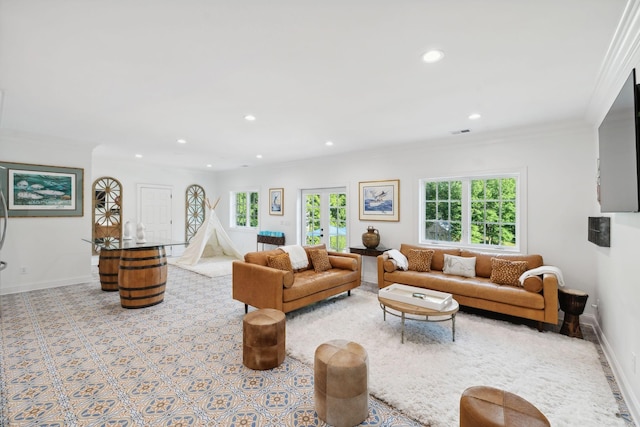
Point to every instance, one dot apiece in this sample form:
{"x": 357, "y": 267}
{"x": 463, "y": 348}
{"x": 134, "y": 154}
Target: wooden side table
{"x": 572, "y": 302}
{"x": 378, "y": 250}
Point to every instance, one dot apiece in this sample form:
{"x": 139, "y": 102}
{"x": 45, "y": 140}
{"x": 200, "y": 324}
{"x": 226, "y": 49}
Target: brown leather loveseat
{"x": 536, "y": 299}
{"x": 258, "y": 285}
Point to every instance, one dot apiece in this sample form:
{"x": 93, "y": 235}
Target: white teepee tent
{"x": 209, "y": 241}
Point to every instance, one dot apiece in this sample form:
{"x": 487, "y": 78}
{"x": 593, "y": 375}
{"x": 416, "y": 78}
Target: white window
{"x": 244, "y": 209}
{"x": 473, "y": 211}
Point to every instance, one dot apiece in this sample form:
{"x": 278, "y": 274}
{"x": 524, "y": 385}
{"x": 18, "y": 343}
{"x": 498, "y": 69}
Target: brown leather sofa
{"x": 528, "y": 301}
{"x": 257, "y": 285}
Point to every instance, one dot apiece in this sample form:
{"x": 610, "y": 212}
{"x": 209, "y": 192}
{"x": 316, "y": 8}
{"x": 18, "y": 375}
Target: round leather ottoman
{"x": 490, "y": 407}
{"x": 263, "y": 339}
{"x": 341, "y": 376}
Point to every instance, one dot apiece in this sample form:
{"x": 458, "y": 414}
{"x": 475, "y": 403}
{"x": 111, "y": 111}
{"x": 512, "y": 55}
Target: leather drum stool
{"x": 341, "y": 376}
{"x": 490, "y": 407}
{"x": 263, "y": 339}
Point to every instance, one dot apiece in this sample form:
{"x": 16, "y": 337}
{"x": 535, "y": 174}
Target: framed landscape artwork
{"x": 41, "y": 191}
{"x": 379, "y": 200}
{"x": 276, "y": 200}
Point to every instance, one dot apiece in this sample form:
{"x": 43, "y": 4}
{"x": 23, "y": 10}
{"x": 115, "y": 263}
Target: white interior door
{"x": 154, "y": 211}
{"x": 324, "y": 218}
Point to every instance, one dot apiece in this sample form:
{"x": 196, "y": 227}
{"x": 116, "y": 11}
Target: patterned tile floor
{"x": 71, "y": 356}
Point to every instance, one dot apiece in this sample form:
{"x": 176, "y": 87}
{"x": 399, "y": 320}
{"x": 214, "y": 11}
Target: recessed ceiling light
{"x": 474, "y": 116}
{"x": 433, "y": 56}
{"x": 250, "y": 118}
{"x": 182, "y": 141}
{"x": 138, "y": 156}
{"x": 209, "y": 165}
{"x": 328, "y": 143}
{"x": 258, "y": 156}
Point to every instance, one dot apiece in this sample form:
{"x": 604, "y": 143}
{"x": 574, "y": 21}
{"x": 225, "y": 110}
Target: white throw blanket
{"x": 542, "y": 270}
{"x": 298, "y": 256}
{"x": 399, "y": 258}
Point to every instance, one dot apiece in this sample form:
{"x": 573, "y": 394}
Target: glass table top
{"x": 131, "y": 244}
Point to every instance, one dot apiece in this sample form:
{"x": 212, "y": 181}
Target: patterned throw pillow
{"x": 505, "y": 272}
{"x": 320, "y": 260}
{"x": 459, "y": 265}
{"x": 420, "y": 260}
{"x": 281, "y": 262}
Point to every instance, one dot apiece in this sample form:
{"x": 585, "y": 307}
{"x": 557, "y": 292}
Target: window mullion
{"x": 466, "y": 211}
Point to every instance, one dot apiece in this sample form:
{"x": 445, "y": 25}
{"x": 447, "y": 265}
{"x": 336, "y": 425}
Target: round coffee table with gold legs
{"x": 423, "y": 314}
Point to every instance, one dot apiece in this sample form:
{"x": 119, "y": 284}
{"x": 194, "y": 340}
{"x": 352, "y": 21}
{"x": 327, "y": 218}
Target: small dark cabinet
{"x": 599, "y": 230}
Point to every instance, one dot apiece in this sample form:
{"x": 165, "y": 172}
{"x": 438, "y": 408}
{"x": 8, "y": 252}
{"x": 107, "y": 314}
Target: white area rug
{"x": 425, "y": 376}
{"x": 211, "y": 267}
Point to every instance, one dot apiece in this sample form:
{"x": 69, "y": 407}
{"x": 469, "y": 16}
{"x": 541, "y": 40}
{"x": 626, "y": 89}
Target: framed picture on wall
{"x": 40, "y": 191}
{"x": 276, "y": 201}
{"x": 379, "y": 200}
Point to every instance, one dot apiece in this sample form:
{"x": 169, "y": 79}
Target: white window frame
{"x": 232, "y": 210}
{"x": 520, "y": 225}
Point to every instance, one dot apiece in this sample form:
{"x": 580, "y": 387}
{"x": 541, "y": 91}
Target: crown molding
{"x": 622, "y": 56}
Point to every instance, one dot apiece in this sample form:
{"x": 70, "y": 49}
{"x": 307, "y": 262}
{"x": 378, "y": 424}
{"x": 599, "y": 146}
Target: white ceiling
{"x": 133, "y": 76}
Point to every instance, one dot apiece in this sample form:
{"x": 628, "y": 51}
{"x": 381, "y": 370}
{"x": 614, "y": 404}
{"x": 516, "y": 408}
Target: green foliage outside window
{"x": 337, "y": 221}
{"x": 247, "y": 212}
{"x": 443, "y": 210}
{"x": 490, "y": 212}
{"x": 313, "y": 219}
{"x": 493, "y": 211}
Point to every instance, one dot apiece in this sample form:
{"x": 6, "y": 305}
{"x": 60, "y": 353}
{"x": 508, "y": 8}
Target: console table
{"x": 378, "y": 250}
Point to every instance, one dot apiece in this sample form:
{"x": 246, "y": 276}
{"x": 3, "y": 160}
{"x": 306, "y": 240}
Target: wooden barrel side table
{"x": 572, "y": 302}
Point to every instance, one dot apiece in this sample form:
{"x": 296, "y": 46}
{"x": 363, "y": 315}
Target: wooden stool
{"x": 263, "y": 339}
{"x": 341, "y": 374}
{"x": 572, "y": 302}
{"x": 490, "y": 407}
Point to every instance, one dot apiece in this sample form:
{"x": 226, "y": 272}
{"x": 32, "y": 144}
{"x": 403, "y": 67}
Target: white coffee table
{"x": 423, "y": 314}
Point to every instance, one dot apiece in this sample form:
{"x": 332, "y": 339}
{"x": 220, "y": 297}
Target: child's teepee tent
{"x": 210, "y": 240}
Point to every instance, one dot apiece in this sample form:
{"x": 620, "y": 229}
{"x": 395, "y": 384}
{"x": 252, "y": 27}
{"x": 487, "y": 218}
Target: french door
{"x": 154, "y": 211}
{"x": 324, "y": 218}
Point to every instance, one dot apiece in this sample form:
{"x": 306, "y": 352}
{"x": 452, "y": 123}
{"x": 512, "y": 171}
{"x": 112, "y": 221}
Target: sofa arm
{"x": 381, "y": 259}
{"x": 259, "y": 286}
{"x": 550, "y": 294}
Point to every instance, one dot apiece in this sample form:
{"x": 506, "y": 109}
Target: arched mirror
{"x": 107, "y": 212}
{"x": 195, "y": 210}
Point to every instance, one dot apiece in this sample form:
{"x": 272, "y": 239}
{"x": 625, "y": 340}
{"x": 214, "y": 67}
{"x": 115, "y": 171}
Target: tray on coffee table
{"x": 426, "y": 298}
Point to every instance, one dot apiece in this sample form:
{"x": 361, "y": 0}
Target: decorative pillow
{"x": 505, "y": 272}
{"x": 532, "y": 284}
{"x": 281, "y": 262}
{"x": 420, "y": 260}
{"x": 320, "y": 260}
{"x": 460, "y": 266}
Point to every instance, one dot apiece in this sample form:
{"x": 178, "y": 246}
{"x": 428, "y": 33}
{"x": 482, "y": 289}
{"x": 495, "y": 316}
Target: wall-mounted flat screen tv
{"x": 619, "y": 147}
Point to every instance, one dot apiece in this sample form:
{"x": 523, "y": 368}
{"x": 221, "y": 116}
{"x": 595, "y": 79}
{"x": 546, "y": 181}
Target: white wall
{"x": 50, "y": 250}
{"x": 135, "y": 172}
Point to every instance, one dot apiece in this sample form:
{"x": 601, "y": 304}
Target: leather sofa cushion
{"x": 309, "y": 282}
{"x": 483, "y": 260}
{"x": 437, "y": 261}
{"x": 472, "y": 287}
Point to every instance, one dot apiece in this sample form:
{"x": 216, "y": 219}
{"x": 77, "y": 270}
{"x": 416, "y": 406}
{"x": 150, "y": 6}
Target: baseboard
{"x": 45, "y": 285}
{"x": 633, "y": 405}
